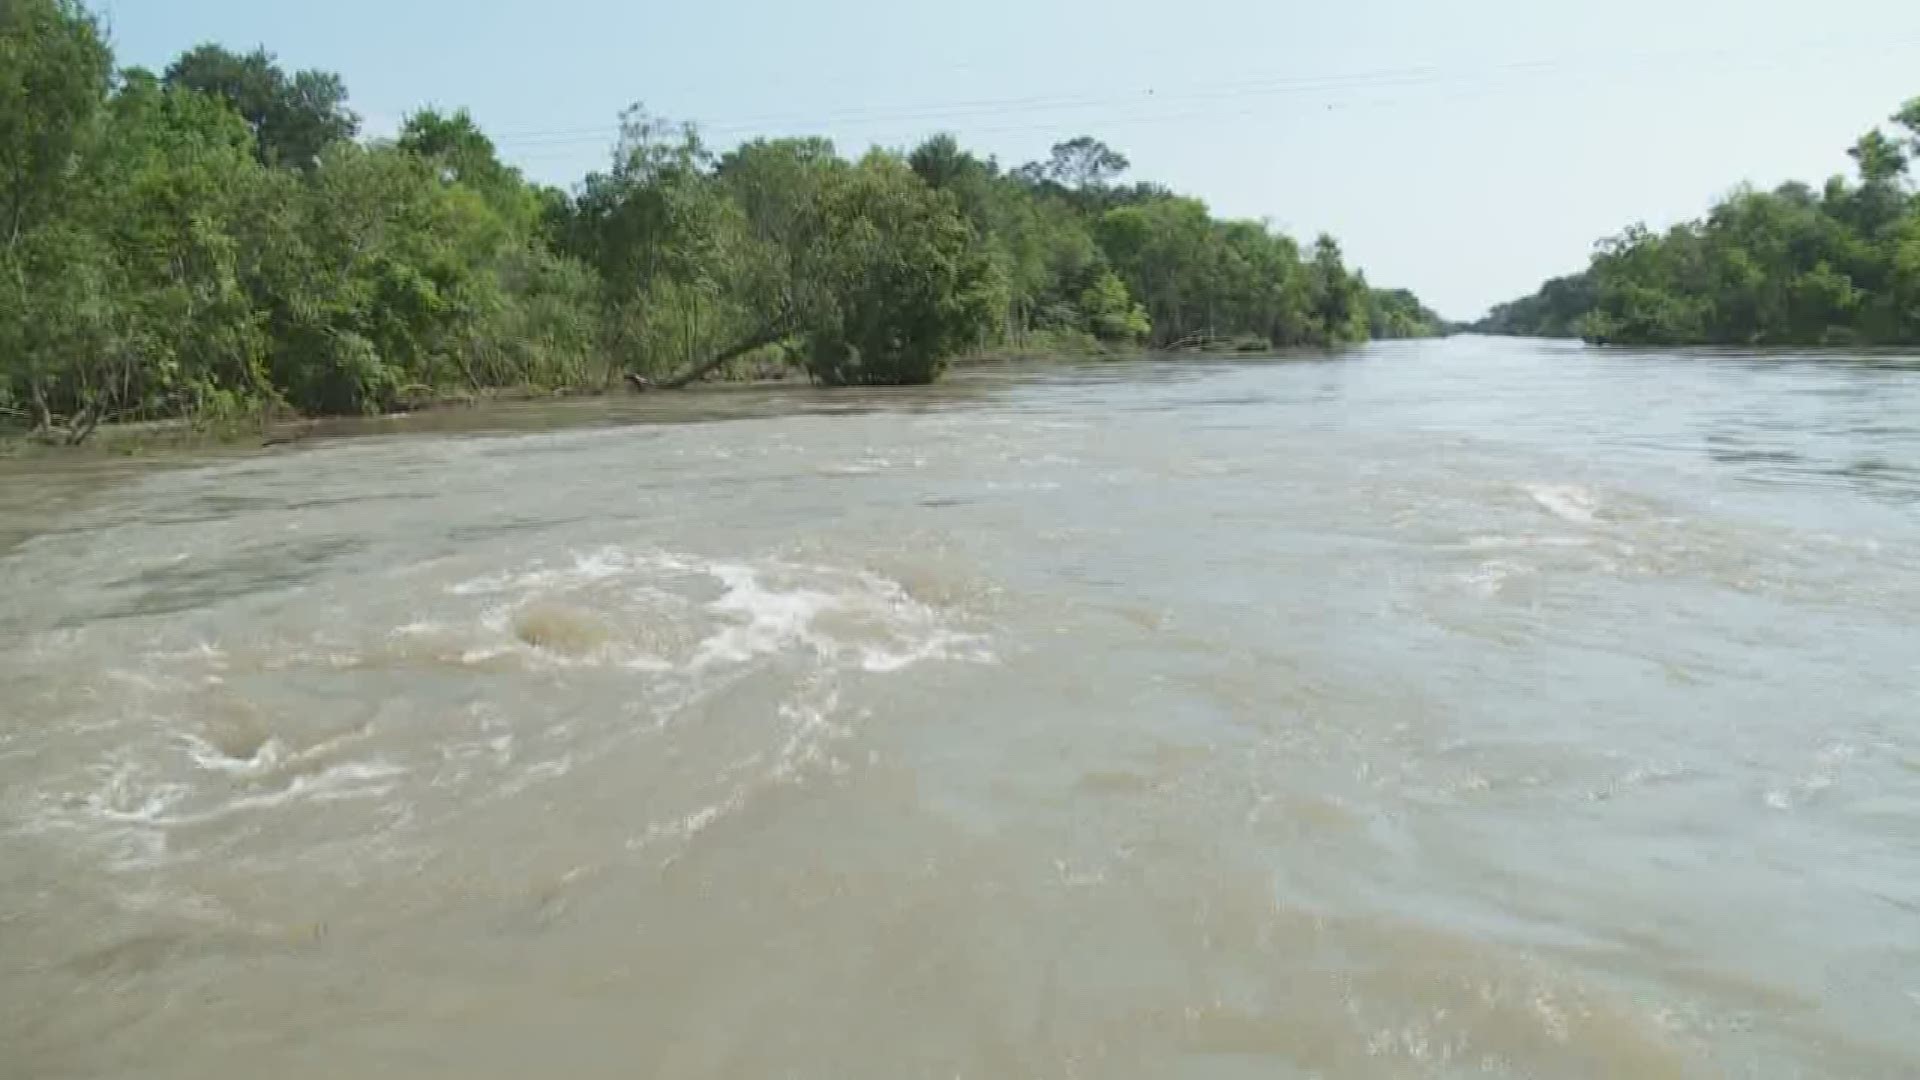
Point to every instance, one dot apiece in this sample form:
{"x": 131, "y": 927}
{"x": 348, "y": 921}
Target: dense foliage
{"x": 1556, "y": 311}
{"x": 1790, "y": 266}
{"x": 212, "y": 241}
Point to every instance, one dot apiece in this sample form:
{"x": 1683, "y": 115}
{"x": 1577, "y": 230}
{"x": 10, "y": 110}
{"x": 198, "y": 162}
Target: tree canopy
{"x": 217, "y": 241}
{"x": 293, "y": 117}
{"x": 1790, "y": 266}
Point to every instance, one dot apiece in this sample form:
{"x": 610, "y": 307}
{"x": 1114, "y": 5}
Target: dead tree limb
{"x": 706, "y": 367}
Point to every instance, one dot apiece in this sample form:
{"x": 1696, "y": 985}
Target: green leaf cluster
{"x": 215, "y": 242}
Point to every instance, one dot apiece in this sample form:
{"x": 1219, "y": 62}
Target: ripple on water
{"x": 1382, "y": 718}
{"x": 205, "y": 740}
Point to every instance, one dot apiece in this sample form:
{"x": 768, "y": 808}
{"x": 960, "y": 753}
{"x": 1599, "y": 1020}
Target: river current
{"x": 1453, "y": 708}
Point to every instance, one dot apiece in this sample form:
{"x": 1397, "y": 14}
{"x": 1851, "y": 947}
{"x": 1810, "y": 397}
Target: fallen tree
{"x": 693, "y": 373}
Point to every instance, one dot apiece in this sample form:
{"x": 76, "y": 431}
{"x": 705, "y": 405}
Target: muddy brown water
{"x": 1443, "y": 709}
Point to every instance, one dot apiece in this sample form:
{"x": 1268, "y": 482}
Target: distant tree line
{"x": 1792, "y": 266}
{"x": 216, "y": 240}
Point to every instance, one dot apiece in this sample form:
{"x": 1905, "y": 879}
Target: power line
{"x": 1266, "y": 86}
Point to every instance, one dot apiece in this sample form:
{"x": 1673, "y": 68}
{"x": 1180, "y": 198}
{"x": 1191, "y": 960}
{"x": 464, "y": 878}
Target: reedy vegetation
{"x": 1791, "y": 266}
{"x": 212, "y": 242}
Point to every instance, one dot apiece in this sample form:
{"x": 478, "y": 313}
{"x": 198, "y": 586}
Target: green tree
{"x": 461, "y": 154}
{"x": 214, "y": 244}
{"x": 1085, "y": 163}
{"x": 972, "y": 181}
{"x": 535, "y": 313}
{"x": 1909, "y": 119}
{"x": 54, "y": 70}
{"x": 1162, "y": 251}
{"x": 1554, "y": 312}
{"x": 293, "y": 117}
{"x": 1790, "y": 266}
{"x": 56, "y": 302}
{"x": 1111, "y": 313}
{"x": 780, "y": 186}
{"x": 1398, "y": 313}
{"x": 664, "y": 238}
{"x": 178, "y": 170}
{"x": 1881, "y": 160}
{"x": 911, "y": 286}
{"x": 1340, "y": 298}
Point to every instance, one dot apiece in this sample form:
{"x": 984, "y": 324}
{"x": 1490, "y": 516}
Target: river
{"x": 1451, "y": 708}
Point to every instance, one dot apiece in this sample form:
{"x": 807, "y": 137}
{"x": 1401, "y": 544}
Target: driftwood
{"x": 703, "y": 368}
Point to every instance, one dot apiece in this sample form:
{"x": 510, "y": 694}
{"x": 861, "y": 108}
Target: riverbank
{"x": 142, "y": 436}
{"x": 442, "y": 409}
{"x": 467, "y": 409}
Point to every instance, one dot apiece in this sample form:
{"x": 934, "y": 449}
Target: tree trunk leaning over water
{"x": 706, "y": 367}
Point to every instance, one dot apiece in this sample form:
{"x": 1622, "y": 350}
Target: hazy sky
{"x": 1466, "y": 149}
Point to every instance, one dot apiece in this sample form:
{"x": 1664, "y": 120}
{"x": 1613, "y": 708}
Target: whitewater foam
{"x": 773, "y": 619}
{"x": 180, "y": 774}
{"x": 762, "y": 608}
{"x": 1569, "y": 502}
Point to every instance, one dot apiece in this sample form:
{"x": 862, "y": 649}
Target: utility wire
{"x": 1398, "y": 79}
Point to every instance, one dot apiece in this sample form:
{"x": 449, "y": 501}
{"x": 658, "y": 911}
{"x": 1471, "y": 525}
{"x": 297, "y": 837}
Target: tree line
{"x": 1791, "y": 266}
{"x": 216, "y": 240}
